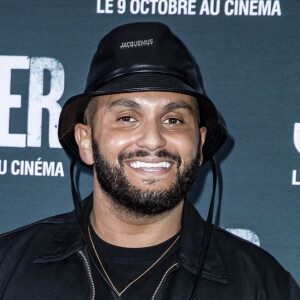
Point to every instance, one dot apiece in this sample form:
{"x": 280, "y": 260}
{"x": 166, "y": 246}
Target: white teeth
{"x": 142, "y": 164}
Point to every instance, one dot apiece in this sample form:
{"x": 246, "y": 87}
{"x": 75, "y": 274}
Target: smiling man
{"x": 144, "y": 126}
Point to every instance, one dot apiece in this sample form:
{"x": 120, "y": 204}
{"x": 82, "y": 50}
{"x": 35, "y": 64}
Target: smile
{"x": 150, "y": 166}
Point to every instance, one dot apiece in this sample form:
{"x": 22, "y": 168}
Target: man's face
{"x": 147, "y": 149}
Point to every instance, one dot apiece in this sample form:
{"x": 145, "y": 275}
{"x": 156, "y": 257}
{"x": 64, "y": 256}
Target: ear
{"x": 83, "y": 137}
{"x": 202, "y": 141}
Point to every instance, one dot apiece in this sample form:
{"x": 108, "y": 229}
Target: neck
{"x": 116, "y": 226}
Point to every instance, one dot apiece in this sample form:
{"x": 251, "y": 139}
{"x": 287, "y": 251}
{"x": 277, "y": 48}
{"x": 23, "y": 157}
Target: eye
{"x": 172, "y": 121}
{"x": 127, "y": 119}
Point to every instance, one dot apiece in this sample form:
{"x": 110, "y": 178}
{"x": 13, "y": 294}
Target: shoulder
{"x": 244, "y": 266}
{"x": 31, "y": 235}
{"x": 54, "y": 232}
{"x": 233, "y": 248}
{"x": 32, "y": 256}
{"x": 248, "y": 263}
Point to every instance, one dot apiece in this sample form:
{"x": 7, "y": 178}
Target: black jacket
{"x": 48, "y": 260}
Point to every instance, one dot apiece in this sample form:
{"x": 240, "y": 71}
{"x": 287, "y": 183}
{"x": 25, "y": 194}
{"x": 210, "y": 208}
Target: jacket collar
{"x": 68, "y": 240}
{"x": 192, "y": 236}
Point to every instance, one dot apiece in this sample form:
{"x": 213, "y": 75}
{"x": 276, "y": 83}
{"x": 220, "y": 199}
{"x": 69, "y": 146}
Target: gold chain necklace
{"x": 140, "y": 276}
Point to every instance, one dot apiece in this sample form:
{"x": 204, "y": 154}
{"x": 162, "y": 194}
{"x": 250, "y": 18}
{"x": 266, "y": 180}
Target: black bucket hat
{"x": 141, "y": 57}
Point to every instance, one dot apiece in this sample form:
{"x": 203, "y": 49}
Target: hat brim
{"x": 73, "y": 110}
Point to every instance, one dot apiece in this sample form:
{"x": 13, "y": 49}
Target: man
{"x": 145, "y": 126}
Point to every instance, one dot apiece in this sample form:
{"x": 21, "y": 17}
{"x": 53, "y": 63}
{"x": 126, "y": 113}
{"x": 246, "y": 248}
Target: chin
{"x": 153, "y": 184}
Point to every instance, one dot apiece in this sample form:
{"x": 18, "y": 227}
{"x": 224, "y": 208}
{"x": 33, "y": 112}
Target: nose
{"x": 151, "y": 137}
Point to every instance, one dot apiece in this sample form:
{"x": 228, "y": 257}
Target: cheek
{"x": 113, "y": 142}
{"x": 186, "y": 145}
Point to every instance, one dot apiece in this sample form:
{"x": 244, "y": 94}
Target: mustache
{"x": 141, "y": 153}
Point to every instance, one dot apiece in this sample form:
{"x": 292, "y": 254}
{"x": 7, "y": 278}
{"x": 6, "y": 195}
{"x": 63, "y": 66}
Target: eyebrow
{"x": 177, "y": 105}
{"x": 124, "y": 102}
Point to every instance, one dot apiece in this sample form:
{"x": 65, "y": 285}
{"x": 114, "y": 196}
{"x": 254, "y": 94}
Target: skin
{"x": 149, "y": 121}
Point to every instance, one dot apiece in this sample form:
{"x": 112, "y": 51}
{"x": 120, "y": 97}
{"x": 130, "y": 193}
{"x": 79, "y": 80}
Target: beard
{"x": 149, "y": 202}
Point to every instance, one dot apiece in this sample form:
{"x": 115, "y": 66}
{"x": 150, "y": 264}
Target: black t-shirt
{"x": 123, "y": 265}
